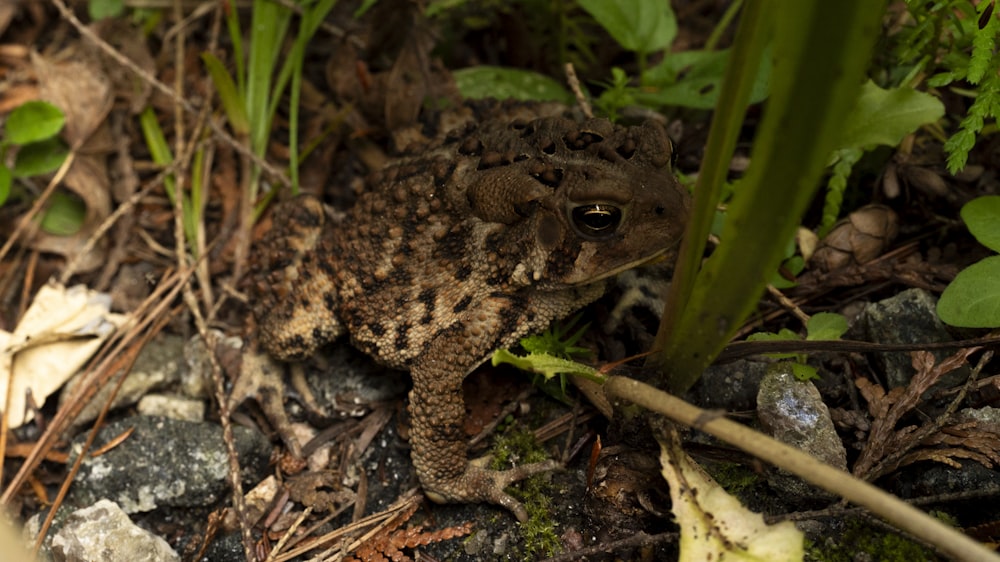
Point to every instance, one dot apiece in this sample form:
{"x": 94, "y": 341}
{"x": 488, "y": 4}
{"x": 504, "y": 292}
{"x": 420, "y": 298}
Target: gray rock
{"x": 909, "y": 317}
{"x": 159, "y": 365}
{"x": 174, "y": 407}
{"x": 793, "y": 412}
{"x": 730, "y": 386}
{"x": 104, "y": 532}
{"x": 165, "y": 462}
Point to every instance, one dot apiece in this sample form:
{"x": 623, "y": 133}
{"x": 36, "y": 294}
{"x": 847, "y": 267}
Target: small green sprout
{"x": 821, "y": 327}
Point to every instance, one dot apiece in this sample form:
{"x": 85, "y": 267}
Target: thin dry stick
{"x": 39, "y": 203}
{"x": 217, "y": 130}
{"x": 805, "y": 466}
{"x": 153, "y": 307}
{"x": 235, "y": 479}
{"x": 574, "y": 85}
{"x": 380, "y": 520}
{"x": 788, "y": 305}
{"x": 289, "y": 533}
{"x": 106, "y": 225}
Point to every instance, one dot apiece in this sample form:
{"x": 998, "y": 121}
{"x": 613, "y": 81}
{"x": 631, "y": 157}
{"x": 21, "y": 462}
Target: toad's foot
{"x": 481, "y": 484}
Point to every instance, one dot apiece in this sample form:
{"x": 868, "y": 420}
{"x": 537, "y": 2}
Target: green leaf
{"x": 793, "y": 265}
{"x": 33, "y": 121}
{"x": 821, "y": 50}
{"x": 557, "y": 341}
{"x": 64, "y": 215}
{"x": 642, "y": 26}
{"x": 232, "y": 102}
{"x": 783, "y": 335}
{"x": 546, "y": 365}
{"x": 972, "y": 300}
{"x": 498, "y": 82}
{"x": 6, "y": 179}
{"x": 40, "y": 158}
{"x": 826, "y": 326}
{"x": 884, "y": 117}
{"x": 803, "y": 372}
{"x": 700, "y": 80}
{"x": 982, "y": 216}
{"x": 101, "y": 9}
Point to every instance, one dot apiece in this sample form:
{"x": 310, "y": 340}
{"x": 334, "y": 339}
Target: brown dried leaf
{"x": 390, "y": 541}
{"x": 888, "y": 408}
{"x": 87, "y": 178}
{"x": 80, "y": 89}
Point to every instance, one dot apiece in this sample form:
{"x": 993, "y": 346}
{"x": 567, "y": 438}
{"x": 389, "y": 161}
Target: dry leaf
{"x": 714, "y": 525}
{"x": 80, "y": 89}
{"x": 59, "y": 332}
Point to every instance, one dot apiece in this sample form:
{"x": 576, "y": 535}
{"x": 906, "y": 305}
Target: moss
{"x": 535, "y": 493}
{"x": 878, "y": 544}
{"x": 733, "y": 477}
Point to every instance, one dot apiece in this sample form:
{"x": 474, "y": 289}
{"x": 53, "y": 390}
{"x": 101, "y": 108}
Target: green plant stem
{"x": 723, "y": 25}
{"x": 820, "y": 51}
{"x": 745, "y": 57}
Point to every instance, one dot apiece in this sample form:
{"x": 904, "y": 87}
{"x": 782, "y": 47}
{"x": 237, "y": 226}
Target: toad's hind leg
{"x": 293, "y": 290}
{"x": 437, "y": 406}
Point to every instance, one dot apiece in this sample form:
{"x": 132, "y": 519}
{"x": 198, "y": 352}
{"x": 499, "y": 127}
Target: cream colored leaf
{"x": 59, "y": 332}
{"x": 714, "y": 526}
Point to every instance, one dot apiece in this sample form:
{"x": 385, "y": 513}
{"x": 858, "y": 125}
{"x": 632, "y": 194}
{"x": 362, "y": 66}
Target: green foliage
{"x": 252, "y": 93}
{"x": 972, "y": 299}
{"x": 161, "y": 154}
{"x": 521, "y": 447}
{"x": 952, "y": 41}
{"x": 871, "y": 542}
{"x": 881, "y": 117}
{"x": 33, "y": 128}
{"x": 550, "y": 355}
{"x": 33, "y": 121}
{"x": 497, "y": 82}
{"x": 549, "y": 366}
{"x": 558, "y": 340}
{"x": 6, "y": 178}
{"x": 823, "y": 326}
{"x": 101, "y": 9}
{"x": 823, "y": 49}
{"x": 693, "y": 79}
{"x": 641, "y": 26}
{"x": 64, "y": 216}
{"x": 40, "y": 158}
{"x": 644, "y": 27}
{"x": 884, "y": 116}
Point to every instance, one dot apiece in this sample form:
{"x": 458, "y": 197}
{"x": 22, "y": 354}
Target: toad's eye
{"x": 597, "y": 219}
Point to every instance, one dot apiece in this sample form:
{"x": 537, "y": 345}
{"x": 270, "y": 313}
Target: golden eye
{"x": 597, "y": 219}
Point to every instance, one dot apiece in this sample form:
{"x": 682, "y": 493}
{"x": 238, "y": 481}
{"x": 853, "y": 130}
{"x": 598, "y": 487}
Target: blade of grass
{"x": 232, "y": 102}
{"x": 820, "y": 51}
{"x": 156, "y": 142}
{"x": 752, "y": 36}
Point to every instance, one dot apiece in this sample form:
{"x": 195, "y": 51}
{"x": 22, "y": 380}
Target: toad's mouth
{"x": 655, "y": 257}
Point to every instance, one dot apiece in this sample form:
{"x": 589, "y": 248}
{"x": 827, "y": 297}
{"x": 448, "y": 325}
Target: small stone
{"x": 171, "y": 407}
{"x": 911, "y": 318}
{"x": 159, "y": 365}
{"x": 793, "y": 412}
{"x": 104, "y": 532}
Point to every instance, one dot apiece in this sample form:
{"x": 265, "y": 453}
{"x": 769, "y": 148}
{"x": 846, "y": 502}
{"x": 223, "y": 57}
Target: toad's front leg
{"x": 437, "y": 409}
